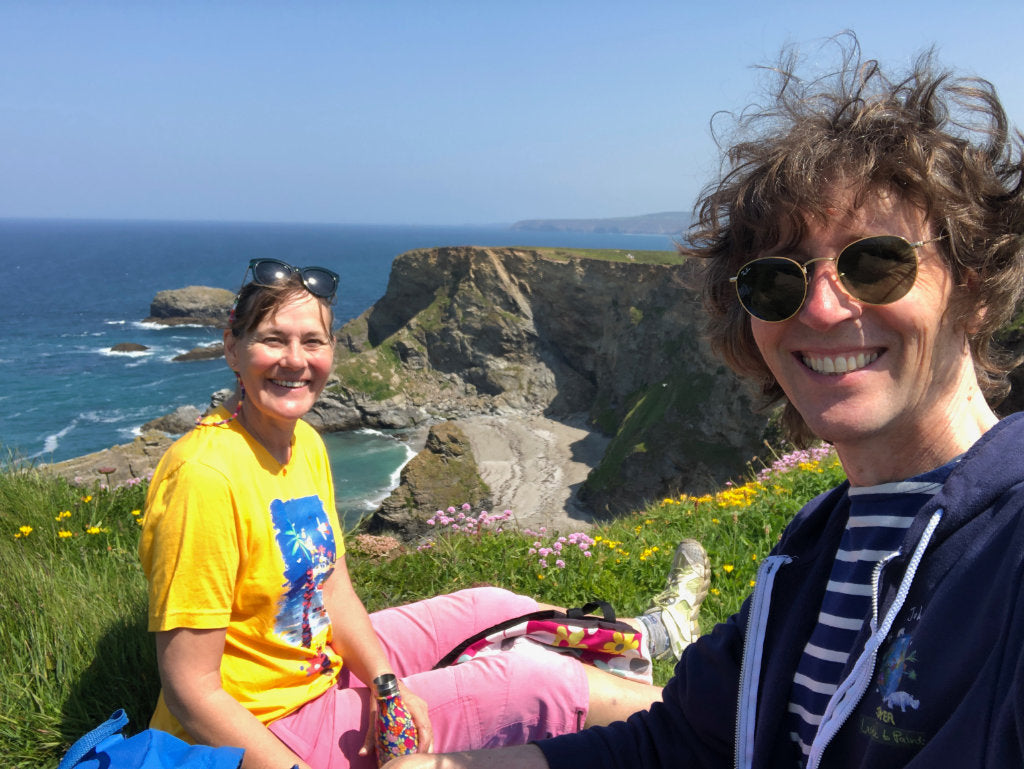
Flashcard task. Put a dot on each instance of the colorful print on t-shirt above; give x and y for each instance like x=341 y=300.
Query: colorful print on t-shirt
x=306 y=541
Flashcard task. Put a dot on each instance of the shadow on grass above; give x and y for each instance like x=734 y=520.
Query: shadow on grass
x=123 y=674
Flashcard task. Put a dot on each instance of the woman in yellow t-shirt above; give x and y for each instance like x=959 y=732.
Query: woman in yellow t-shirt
x=262 y=643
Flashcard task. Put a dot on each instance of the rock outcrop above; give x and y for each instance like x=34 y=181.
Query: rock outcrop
x=463 y=331
x=193 y=305
x=178 y=422
x=128 y=347
x=444 y=473
x=206 y=352
x=116 y=465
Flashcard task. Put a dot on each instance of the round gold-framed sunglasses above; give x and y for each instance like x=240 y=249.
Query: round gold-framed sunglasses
x=875 y=270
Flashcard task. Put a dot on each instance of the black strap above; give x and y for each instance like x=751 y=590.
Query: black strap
x=576 y=615
x=587 y=609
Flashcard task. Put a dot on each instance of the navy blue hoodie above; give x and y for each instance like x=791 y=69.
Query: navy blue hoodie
x=936 y=679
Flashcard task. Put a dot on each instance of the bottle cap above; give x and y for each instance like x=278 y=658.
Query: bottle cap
x=386 y=685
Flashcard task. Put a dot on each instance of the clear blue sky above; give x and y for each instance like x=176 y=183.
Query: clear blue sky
x=419 y=112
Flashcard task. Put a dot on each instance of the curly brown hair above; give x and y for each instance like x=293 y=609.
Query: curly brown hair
x=939 y=142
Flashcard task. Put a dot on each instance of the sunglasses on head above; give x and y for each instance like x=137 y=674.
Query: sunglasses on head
x=318 y=281
x=875 y=270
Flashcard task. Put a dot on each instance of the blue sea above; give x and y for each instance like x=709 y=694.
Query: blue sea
x=73 y=289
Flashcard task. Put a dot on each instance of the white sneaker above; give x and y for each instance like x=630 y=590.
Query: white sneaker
x=678 y=604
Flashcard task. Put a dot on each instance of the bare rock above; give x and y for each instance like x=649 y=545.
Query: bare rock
x=178 y=422
x=445 y=473
x=128 y=347
x=332 y=414
x=207 y=352
x=193 y=305
x=114 y=466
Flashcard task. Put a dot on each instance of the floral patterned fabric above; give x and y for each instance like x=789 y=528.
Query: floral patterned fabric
x=602 y=642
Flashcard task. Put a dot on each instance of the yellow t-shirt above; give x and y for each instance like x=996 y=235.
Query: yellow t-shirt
x=233 y=539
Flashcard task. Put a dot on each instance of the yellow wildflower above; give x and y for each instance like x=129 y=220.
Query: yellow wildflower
x=25 y=530
x=64 y=534
x=727 y=568
x=136 y=512
x=87 y=498
x=93 y=530
x=715 y=591
x=648 y=552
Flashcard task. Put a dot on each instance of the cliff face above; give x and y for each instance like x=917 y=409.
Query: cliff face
x=472 y=330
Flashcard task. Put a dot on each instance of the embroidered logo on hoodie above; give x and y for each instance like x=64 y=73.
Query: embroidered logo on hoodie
x=894 y=686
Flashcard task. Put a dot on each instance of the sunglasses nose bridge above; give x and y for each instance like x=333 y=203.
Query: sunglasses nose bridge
x=810 y=272
x=827 y=292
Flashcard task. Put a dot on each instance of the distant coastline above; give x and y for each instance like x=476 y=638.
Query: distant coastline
x=671 y=223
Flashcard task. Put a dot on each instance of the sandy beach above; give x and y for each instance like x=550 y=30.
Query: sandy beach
x=535 y=466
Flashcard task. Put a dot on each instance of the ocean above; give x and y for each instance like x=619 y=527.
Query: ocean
x=74 y=289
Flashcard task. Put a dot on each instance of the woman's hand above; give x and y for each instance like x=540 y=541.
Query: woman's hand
x=420 y=716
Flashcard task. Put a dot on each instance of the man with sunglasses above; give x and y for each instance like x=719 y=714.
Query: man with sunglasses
x=858 y=254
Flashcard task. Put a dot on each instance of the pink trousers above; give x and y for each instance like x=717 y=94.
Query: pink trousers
x=504 y=699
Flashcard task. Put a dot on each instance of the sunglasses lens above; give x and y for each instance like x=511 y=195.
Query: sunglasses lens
x=267 y=272
x=878 y=270
x=771 y=288
x=320 y=282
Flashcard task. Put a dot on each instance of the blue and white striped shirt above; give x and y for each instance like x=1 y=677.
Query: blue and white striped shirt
x=879 y=518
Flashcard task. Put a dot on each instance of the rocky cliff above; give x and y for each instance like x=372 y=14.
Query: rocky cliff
x=464 y=331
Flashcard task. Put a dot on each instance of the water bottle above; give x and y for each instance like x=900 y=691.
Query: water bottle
x=396 y=732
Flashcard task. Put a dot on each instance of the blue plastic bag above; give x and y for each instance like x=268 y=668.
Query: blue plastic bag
x=105 y=747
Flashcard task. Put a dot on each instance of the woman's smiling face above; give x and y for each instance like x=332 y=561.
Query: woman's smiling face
x=881 y=378
x=284 y=362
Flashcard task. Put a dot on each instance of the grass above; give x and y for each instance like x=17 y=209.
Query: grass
x=372 y=374
x=73 y=637
x=610 y=255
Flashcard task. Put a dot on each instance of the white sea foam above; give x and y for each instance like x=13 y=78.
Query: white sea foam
x=396 y=476
x=151 y=326
x=51 y=442
x=125 y=353
x=107 y=418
